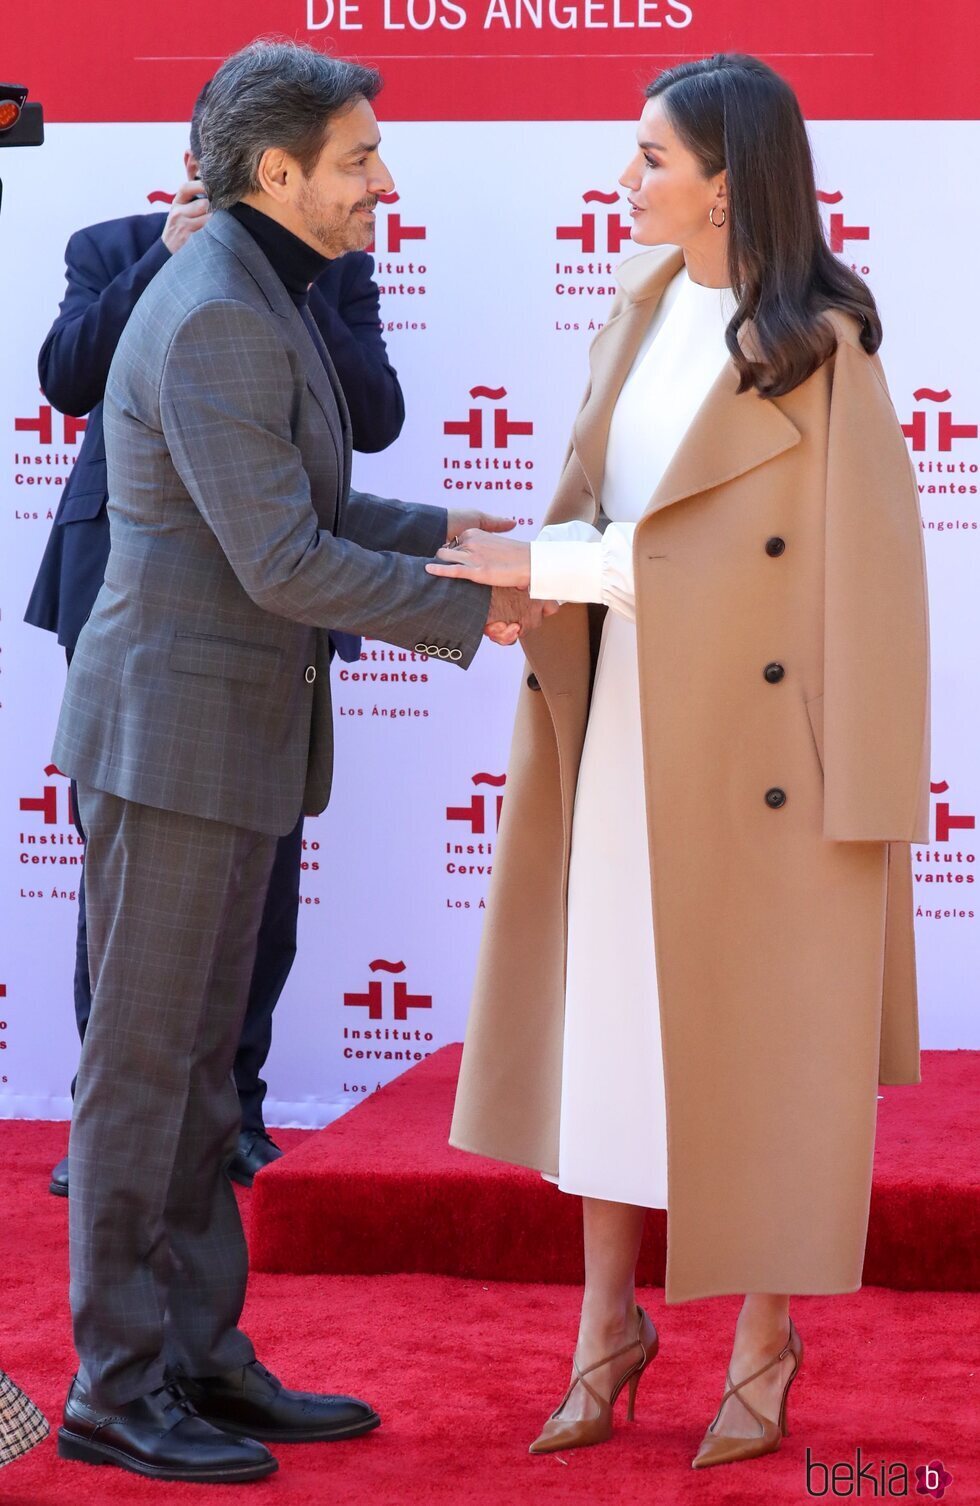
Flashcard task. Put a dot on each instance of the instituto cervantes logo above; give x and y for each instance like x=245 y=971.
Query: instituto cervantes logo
x=599 y=235
x=44 y=426
x=840 y=233
x=469 y=849
x=948 y=861
x=49 y=843
x=499 y=433
x=400 y=267
x=482 y=813
x=597 y=232
x=374 y=999
x=946 y=431
x=392 y=233
x=387 y=998
x=46 y=464
x=942 y=448
x=488 y=427
x=50 y=801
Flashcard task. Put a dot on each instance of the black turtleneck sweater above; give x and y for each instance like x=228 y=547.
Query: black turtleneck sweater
x=294 y=262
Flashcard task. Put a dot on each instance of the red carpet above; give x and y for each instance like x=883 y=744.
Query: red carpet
x=380 y=1191
x=463 y=1373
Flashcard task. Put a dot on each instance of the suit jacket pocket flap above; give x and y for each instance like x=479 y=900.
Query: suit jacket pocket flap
x=814 y=710
x=80 y=506
x=224 y=658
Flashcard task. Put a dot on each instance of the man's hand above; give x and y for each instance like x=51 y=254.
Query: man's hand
x=188 y=213
x=487 y=559
x=465 y=518
x=512 y=613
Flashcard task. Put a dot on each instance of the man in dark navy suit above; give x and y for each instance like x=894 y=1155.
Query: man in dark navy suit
x=108 y=267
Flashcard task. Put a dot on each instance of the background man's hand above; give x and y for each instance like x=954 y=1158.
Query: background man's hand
x=465 y=518
x=188 y=213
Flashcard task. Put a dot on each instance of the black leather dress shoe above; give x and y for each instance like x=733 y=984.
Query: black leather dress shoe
x=255 y=1150
x=159 y=1435
x=59 y=1179
x=252 y=1403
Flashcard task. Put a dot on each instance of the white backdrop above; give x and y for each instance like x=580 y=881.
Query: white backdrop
x=475 y=295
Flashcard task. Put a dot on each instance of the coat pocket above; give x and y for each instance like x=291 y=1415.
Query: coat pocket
x=814 y=710
x=224 y=658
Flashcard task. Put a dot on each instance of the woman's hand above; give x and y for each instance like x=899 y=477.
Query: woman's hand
x=487 y=559
x=462 y=518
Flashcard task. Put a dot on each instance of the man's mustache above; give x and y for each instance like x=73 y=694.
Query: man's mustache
x=369 y=203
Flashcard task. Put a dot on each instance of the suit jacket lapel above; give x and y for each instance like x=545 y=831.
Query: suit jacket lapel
x=730 y=433
x=320 y=373
x=337 y=410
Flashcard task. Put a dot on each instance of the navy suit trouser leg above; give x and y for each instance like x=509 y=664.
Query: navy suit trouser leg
x=273 y=959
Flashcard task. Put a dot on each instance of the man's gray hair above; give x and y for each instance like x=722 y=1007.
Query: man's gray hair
x=272 y=94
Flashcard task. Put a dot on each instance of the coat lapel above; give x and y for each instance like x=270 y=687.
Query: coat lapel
x=729 y=434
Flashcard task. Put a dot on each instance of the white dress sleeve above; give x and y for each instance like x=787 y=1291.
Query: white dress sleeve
x=575 y=562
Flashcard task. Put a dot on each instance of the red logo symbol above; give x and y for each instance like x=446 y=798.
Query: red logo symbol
x=476 y=812
x=373 y=999
x=159 y=197
x=841 y=233
x=395 y=231
x=945 y=822
x=503 y=426
x=947 y=430
x=585 y=232
x=43 y=426
x=47 y=802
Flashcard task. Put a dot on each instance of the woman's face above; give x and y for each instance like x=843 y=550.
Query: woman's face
x=669 y=197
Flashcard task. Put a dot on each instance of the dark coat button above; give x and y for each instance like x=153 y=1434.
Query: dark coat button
x=532 y=682
x=774 y=673
x=775 y=546
x=775 y=798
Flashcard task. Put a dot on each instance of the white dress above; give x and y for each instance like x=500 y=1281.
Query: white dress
x=613 y=1127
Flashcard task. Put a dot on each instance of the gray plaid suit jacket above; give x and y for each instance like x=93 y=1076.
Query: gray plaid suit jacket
x=200 y=682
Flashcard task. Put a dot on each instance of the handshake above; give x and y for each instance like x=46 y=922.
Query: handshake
x=474 y=551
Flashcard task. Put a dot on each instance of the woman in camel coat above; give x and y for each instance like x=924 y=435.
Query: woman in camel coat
x=775 y=572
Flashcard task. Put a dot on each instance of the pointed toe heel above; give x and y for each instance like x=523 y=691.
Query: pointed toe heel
x=718 y=1448
x=583 y=1432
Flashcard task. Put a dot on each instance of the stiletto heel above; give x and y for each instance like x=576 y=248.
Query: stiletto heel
x=717 y=1448
x=557 y=1434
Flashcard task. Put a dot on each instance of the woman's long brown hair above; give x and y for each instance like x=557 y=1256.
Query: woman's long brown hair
x=736 y=113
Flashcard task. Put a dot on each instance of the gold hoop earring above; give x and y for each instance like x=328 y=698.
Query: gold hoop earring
x=711 y=216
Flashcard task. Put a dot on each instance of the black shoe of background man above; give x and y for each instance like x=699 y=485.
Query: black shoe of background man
x=59 y=1179
x=252 y=1403
x=159 y=1435
x=255 y=1150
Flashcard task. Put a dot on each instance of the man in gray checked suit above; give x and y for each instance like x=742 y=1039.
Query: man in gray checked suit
x=197 y=723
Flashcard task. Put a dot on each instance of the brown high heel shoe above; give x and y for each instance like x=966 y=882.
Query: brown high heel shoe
x=717 y=1448
x=557 y=1434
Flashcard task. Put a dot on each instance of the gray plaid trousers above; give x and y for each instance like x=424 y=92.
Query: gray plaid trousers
x=158 y=1256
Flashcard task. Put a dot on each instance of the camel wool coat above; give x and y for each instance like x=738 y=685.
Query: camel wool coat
x=779 y=813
